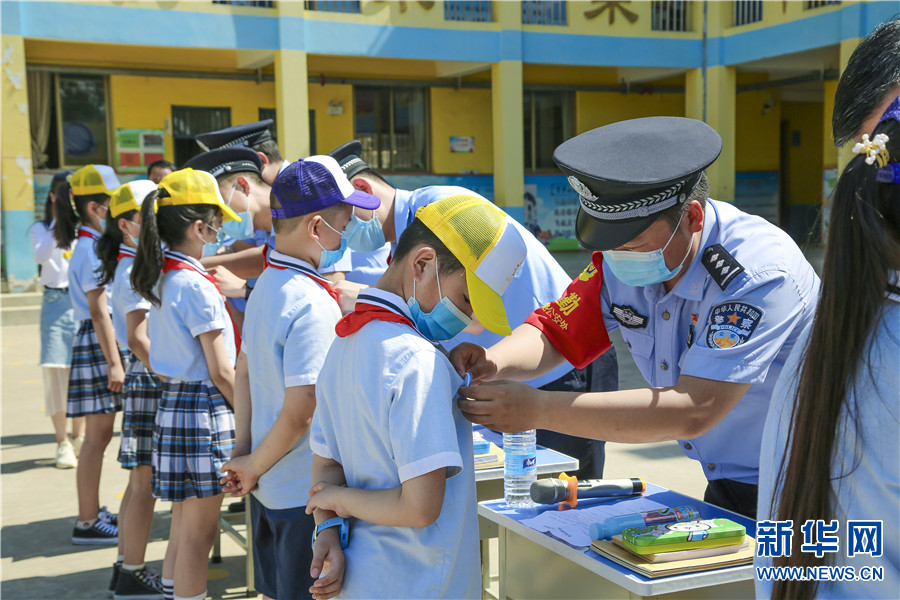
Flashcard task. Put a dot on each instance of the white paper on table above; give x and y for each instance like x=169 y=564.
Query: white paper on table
x=573 y=526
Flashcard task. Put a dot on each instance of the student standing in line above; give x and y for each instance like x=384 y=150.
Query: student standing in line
x=192 y=346
x=386 y=426
x=97 y=376
x=57 y=325
x=116 y=249
x=288 y=329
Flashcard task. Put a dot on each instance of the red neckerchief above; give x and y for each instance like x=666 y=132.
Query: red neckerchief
x=125 y=252
x=85 y=233
x=173 y=264
x=365 y=312
x=282 y=265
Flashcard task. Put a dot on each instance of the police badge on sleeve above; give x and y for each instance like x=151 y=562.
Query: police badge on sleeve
x=732 y=323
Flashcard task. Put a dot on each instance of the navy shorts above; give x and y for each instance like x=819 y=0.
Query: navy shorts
x=282 y=552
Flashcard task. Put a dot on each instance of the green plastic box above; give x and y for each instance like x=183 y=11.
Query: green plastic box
x=687 y=535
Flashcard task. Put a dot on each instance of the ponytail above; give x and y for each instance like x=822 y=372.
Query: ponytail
x=862 y=255
x=69 y=215
x=108 y=248
x=166 y=224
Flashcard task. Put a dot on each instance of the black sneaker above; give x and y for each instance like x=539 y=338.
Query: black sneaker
x=108 y=516
x=100 y=533
x=117 y=566
x=138 y=585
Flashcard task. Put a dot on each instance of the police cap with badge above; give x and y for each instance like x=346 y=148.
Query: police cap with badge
x=627 y=173
x=224 y=161
x=349 y=156
x=248 y=134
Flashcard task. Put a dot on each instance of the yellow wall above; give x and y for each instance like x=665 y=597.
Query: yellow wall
x=467 y=113
x=331 y=130
x=805 y=170
x=146 y=102
x=595 y=109
x=758 y=135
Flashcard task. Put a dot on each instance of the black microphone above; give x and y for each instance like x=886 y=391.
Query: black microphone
x=551 y=491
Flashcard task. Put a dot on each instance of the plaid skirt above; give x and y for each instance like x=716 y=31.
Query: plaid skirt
x=193 y=438
x=142 y=392
x=88 y=394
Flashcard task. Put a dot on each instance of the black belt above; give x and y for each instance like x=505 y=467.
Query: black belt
x=65 y=289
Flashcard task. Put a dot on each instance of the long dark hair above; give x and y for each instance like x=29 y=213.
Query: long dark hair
x=68 y=217
x=168 y=224
x=59 y=188
x=108 y=248
x=862 y=255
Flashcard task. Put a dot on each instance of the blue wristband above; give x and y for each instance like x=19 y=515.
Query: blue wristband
x=334 y=522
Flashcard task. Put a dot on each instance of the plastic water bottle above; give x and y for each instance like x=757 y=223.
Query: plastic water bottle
x=519 y=467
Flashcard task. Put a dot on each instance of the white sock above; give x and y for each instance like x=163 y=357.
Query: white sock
x=120 y=558
x=133 y=567
x=86 y=524
x=200 y=596
x=168 y=586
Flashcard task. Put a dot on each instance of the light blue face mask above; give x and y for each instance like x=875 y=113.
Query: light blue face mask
x=102 y=225
x=328 y=257
x=239 y=230
x=135 y=240
x=210 y=249
x=639 y=269
x=444 y=321
x=364 y=236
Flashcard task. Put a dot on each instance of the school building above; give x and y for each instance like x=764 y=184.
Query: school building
x=474 y=93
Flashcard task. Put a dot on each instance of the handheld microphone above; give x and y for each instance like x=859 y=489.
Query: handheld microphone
x=568 y=489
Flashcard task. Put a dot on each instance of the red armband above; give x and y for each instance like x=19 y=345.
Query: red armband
x=574 y=323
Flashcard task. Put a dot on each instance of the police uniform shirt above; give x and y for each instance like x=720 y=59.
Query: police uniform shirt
x=741 y=334
x=385 y=412
x=288 y=328
x=124 y=299
x=866 y=465
x=365 y=268
x=190 y=305
x=538 y=281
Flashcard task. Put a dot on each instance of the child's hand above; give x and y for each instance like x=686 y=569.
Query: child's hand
x=240 y=477
x=116 y=375
x=327 y=565
x=327 y=496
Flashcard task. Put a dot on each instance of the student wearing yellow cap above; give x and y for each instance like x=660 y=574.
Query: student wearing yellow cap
x=142 y=390
x=192 y=346
x=391 y=432
x=97 y=374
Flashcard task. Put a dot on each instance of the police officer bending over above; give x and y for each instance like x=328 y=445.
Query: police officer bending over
x=709 y=301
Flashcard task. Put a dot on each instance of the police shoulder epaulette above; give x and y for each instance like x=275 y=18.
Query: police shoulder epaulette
x=721 y=265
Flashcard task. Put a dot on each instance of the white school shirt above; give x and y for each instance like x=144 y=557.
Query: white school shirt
x=84 y=272
x=769 y=302
x=288 y=328
x=189 y=305
x=124 y=299
x=54 y=264
x=538 y=281
x=866 y=468
x=386 y=412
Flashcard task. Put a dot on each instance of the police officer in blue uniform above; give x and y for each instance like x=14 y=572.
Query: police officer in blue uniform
x=257 y=136
x=708 y=299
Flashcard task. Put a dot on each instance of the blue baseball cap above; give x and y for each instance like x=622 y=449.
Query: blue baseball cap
x=313 y=184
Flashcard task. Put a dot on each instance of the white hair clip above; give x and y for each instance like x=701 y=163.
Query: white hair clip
x=875 y=149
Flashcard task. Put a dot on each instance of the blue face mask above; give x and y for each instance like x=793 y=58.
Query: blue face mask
x=239 y=230
x=364 y=236
x=210 y=249
x=102 y=225
x=135 y=240
x=328 y=257
x=639 y=269
x=443 y=322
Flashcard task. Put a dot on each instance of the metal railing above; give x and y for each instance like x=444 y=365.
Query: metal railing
x=544 y=12
x=747 y=11
x=808 y=4
x=343 y=6
x=468 y=10
x=670 y=15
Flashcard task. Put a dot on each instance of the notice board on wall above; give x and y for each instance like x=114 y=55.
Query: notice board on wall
x=138 y=148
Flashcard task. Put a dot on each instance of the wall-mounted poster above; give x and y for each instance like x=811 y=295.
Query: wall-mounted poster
x=462 y=145
x=137 y=148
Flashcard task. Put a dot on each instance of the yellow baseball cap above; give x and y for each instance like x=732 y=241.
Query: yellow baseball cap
x=129 y=196
x=187 y=186
x=487 y=243
x=93 y=179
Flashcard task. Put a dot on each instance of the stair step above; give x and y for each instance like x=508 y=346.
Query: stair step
x=21 y=299
x=20 y=315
